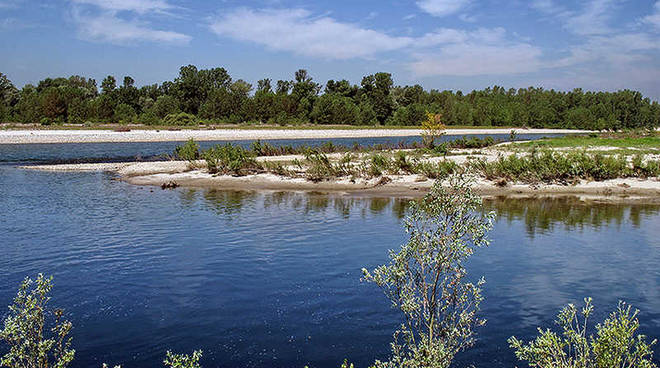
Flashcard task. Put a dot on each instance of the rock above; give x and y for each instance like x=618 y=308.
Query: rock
x=169 y=185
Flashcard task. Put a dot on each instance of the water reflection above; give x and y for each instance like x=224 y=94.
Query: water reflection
x=231 y=202
x=542 y=216
x=539 y=216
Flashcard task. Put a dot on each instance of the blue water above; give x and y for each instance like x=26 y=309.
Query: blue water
x=150 y=150
x=272 y=279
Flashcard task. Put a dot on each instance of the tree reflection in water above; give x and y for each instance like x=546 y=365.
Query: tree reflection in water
x=540 y=215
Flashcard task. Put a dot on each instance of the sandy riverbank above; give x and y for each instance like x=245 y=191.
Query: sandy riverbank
x=98 y=136
x=159 y=173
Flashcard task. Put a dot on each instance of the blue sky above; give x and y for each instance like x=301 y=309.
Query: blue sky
x=443 y=44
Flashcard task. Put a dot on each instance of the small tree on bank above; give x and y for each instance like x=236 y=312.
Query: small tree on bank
x=432 y=128
x=615 y=345
x=426 y=278
x=25 y=330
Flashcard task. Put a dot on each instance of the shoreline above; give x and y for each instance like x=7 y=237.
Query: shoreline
x=160 y=173
x=108 y=136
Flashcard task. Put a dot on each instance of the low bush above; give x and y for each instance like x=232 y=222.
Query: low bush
x=616 y=343
x=319 y=167
x=439 y=170
x=230 y=159
x=553 y=167
x=180 y=119
x=189 y=151
x=378 y=164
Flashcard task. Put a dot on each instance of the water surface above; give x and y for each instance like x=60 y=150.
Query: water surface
x=272 y=279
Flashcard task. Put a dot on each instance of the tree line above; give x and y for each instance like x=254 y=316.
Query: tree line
x=212 y=96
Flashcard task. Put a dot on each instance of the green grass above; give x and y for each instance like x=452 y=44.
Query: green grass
x=623 y=141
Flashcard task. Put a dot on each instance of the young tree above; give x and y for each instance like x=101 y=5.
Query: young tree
x=25 y=328
x=615 y=345
x=426 y=278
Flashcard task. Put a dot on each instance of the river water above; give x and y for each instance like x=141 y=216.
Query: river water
x=272 y=279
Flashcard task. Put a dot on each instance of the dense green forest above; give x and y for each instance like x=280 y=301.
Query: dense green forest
x=211 y=96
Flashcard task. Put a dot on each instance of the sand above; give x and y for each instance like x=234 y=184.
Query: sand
x=97 y=136
x=181 y=173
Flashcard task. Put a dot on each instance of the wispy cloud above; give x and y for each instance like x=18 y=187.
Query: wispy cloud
x=481 y=52
x=138 y=6
x=594 y=19
x=123 y=22
x=445 y=51
x=9 y=4
x=441 y=8
x=654 y=18
x=297 y=31
x=109 y=28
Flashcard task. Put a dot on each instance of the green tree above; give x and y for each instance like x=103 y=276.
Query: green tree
x=335 y=109
x=377 y=88
x=426 y=278
x=615 y=345
x=125 y=114
x=53 y=105
x=26 y=334
x=166 y=105
x=108 y=85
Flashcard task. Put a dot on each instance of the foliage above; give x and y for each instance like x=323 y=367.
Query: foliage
x=432 y=128
x=25 y=330
x=426 y=278
x=229 y=159
x=319 y=167
x=181 y=118
x=183 y=360
x=438 y=170
x=189 y=151
x=555 y=167
x=616 y=343
x=212 y=94
x=124 y=113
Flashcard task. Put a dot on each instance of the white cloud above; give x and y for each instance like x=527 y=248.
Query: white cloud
x=616 y=49
x=108 y=27
x=444 y=51
x=547 y=7
x=9 y=4
x=441 y=8
x=654 y=18
x=138 y=6
x=107 y=21
x=481 y=52
x=295 y=30
x=593 y=20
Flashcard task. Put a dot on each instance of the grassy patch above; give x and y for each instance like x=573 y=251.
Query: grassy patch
x=555 y=167
x=623 y=141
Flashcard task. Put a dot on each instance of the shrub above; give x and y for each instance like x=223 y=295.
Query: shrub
x=25 y=327
x=319 y=167
x=549 y=166
x=181 y=118
x=183 y=360
x=439 y=170
x=230 y=159
x=189 y=151
x=425 y=279
x=378 y=164
x=148 y=118
x=402 y=163
x=616 y=343
x=125 y=114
